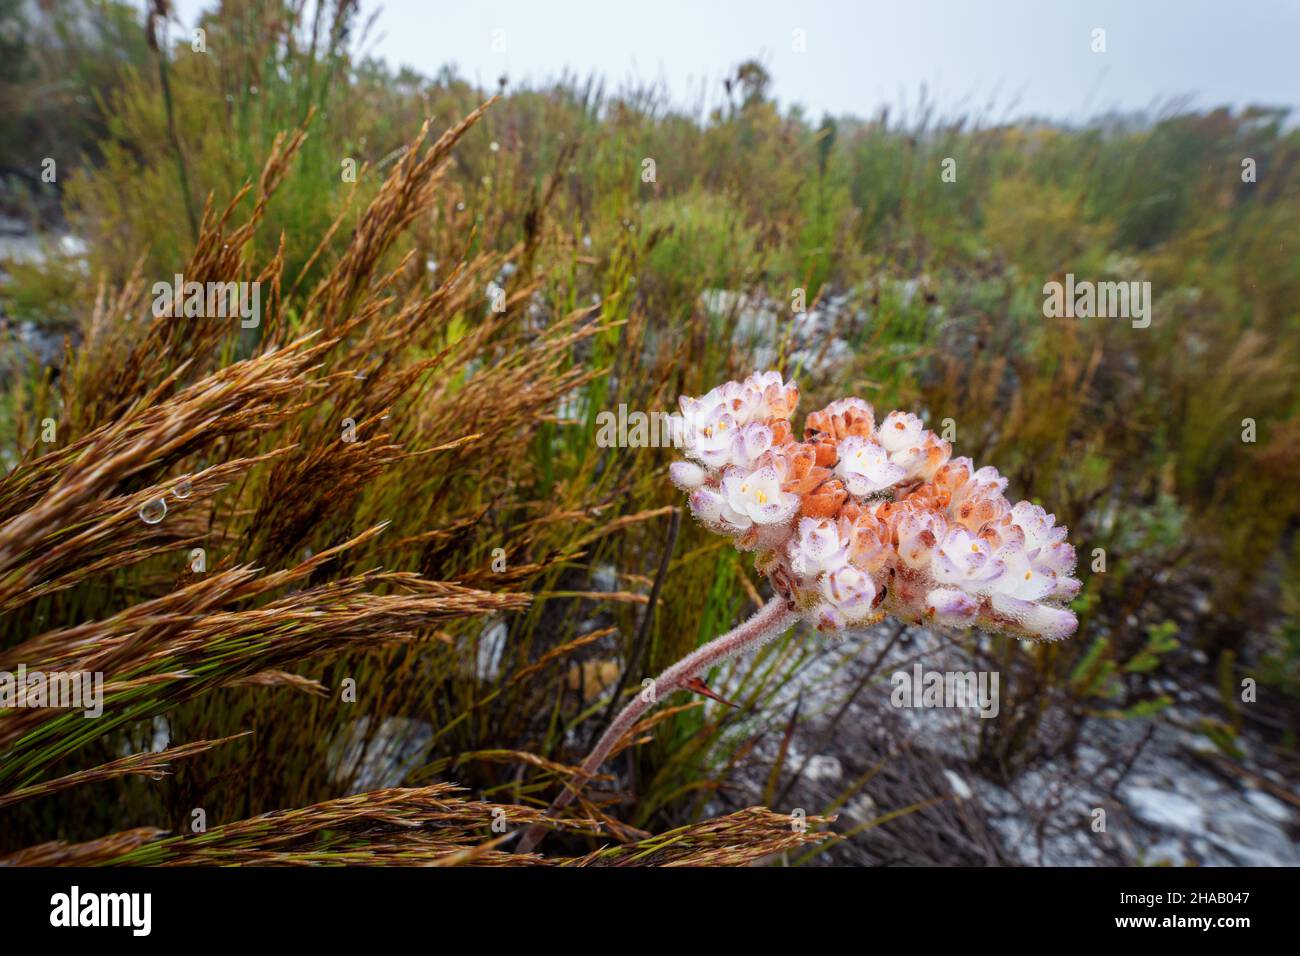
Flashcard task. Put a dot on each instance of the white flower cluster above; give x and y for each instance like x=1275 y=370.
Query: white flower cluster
x=857 y=521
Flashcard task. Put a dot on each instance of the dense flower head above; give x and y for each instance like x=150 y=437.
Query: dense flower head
x=860 y=520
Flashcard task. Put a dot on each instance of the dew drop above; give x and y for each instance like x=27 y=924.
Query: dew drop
x=184 y=488
x=151 y=512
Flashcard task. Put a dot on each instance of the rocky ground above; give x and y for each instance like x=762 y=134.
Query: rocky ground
x=1135 y=791
x=1168 y=794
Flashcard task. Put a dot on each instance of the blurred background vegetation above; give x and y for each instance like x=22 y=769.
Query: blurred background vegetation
x=922 y=294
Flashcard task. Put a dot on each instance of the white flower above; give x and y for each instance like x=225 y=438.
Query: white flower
x=864 y=466
x=757 y=496
x=919 y=533
x=768 y=395
x=687 y=475
x=710 y=506
x=818 y=548
x=1037 y=620
x=1045 y=546
x=842 y=405
x=748 y=445
x=1039 y=527
x=1067 y=588
x=951 y=607
x=708 y=436
x=953 y=475
x=698 y=409
x=1055 y=558
x=739 y=401
x=985 y=483
x=965 y=561
x=870 y=544
x=690 y=419
x=1021 y=580
x=923 y=459
x=900 y=431
x=847 y=598
x=979 y=500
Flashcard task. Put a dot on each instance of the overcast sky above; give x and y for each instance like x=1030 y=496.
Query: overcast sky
x=996 y=58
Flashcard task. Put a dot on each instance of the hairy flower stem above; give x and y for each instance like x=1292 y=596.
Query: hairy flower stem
x=768 y=622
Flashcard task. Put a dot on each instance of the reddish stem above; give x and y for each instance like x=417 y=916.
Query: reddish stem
x=769 y=621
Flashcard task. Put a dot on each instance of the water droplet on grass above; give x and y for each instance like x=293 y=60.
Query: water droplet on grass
x=184 y=488
x=151 y=512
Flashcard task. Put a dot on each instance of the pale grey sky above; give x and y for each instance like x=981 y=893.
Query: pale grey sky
x=996 y=58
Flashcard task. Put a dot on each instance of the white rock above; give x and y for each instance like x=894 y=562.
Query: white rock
x=605 y=578
x=491 y=647
x=1158 y=808
x=1270 y=806
x=960 y=788
x=862 y=809
x=1165 y=851
x=823 y=767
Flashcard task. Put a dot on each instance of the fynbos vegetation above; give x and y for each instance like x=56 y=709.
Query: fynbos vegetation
x=328 y=488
